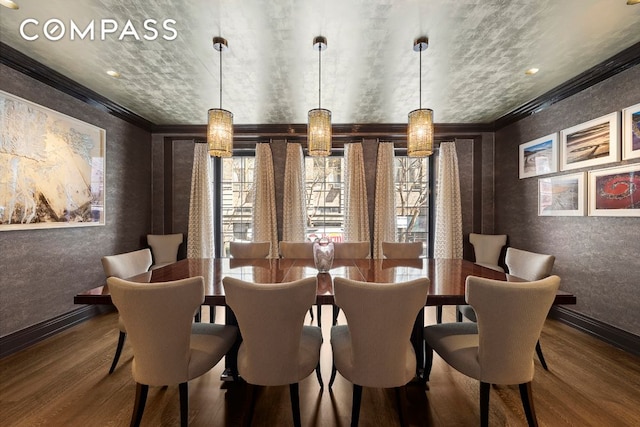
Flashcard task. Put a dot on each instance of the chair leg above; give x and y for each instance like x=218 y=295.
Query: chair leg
x=311 y=313
x=198 y=315
x=526 y=394
x=249 y=405
x=400 y=399
x=540 y=356
x=355 y=408
x=138 y=406
x=336 y=312
x=319 y=375
x=428 y=361
x=295 y=404
x=116 y=356
x=212 y=314
x=319 y=315
x=438 y=314
x=458 y=315
x=184 y=404
x=485 y=388
x=333 y=375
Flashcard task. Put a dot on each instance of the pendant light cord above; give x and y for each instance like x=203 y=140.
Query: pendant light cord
x=220 y=76
x=420 y=77
x=319 y=75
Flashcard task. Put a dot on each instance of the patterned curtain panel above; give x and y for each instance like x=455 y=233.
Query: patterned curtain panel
x=265 y=227
x=448 y=233
x=356 y=215
x=200 y=238
x=384 y=217
x=294 y=210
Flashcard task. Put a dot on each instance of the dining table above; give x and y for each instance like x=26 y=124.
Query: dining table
x=447 y=279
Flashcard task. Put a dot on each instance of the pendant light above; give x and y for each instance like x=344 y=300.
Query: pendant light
x=220 y=122
x=319 y=127
x=420 y=129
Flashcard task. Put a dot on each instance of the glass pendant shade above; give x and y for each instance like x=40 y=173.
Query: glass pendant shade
x=220 y=132
x=420 y=133
x=319 y=132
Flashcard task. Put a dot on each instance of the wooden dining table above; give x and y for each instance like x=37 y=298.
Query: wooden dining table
x=447 y=281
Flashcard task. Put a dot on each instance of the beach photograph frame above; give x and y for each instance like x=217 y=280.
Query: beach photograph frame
x=592 y=143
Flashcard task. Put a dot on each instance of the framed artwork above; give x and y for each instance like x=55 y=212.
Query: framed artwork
x=615 y=191
x=539 y=157
x=51 y=168
x=592 y=143
x=562 y=195
x=631 y=132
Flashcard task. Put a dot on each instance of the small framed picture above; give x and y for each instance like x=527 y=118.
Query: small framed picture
x=562 y=195
x=592 y=143
x=631 y=132
x=615 y=191
x=539 y=157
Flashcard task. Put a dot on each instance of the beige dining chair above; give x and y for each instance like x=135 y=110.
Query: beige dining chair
x=487 y=249
x=498 y=349
x=168 y=348
x=374 y=348
x=301 y=250
x=277 y=348
x=124 y=266
x=164 y=248
x=248 y=250
x=402 y=250
x=351 y=250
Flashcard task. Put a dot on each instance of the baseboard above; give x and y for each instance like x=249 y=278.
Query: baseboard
x=24 y=338
x=617 y=337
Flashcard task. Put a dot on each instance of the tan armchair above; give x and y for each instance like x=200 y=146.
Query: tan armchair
x=394 y=250
x=374 y=349
x=124 y=266
x=277 y=348
x=168 y=348
x=487 y=249
x=498 y=349
x=164 y=248
x=248 y=250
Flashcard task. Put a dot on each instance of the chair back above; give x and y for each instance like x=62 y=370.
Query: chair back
x=529 y=265
x=302 y=250
x=393 y=250
x=510 y=318
x=127 y=264
x=246 y=250
x=487 y=247
x=270 y=317
x=158 y=318
x=380 y=317
x=165 y=247
x=351 y=250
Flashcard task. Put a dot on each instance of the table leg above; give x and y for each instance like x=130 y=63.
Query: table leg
x=417 y=339
x=231 y=359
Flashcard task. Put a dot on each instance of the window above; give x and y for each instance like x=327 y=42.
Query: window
x=325 y=198
x=412 y=200
x=237 y=200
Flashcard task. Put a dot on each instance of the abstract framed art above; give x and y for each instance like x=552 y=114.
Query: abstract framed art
x=615 y=191
x=631 y=132
x=539 y=157
x=592 y=143
x=562 y=195
x=51 y=168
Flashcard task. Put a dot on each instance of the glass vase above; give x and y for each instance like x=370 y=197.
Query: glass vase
x=323 y=254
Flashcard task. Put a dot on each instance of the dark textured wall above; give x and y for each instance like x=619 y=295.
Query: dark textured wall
x=598 y=258
x=41 y=270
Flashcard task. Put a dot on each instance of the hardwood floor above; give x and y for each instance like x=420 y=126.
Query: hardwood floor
x=63 y=381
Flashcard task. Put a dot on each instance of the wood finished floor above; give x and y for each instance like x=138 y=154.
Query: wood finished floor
x=63 y=381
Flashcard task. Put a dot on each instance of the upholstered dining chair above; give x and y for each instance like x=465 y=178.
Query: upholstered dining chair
x=124 y=266
x=525 y=265
x=277 y=348
x=352 y=250
x=498 y=349
x=374 y=349
x=487 y=249
x=164 y=248
x=402 y=250
x=168 y=348
x=247 y=250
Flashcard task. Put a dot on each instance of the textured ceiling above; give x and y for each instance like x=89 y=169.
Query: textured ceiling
x=473 y=70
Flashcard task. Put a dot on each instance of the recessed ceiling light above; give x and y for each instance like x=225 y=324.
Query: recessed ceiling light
x=114 y=74
x=531 y=71
x=630 y=2
x=10 y=4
